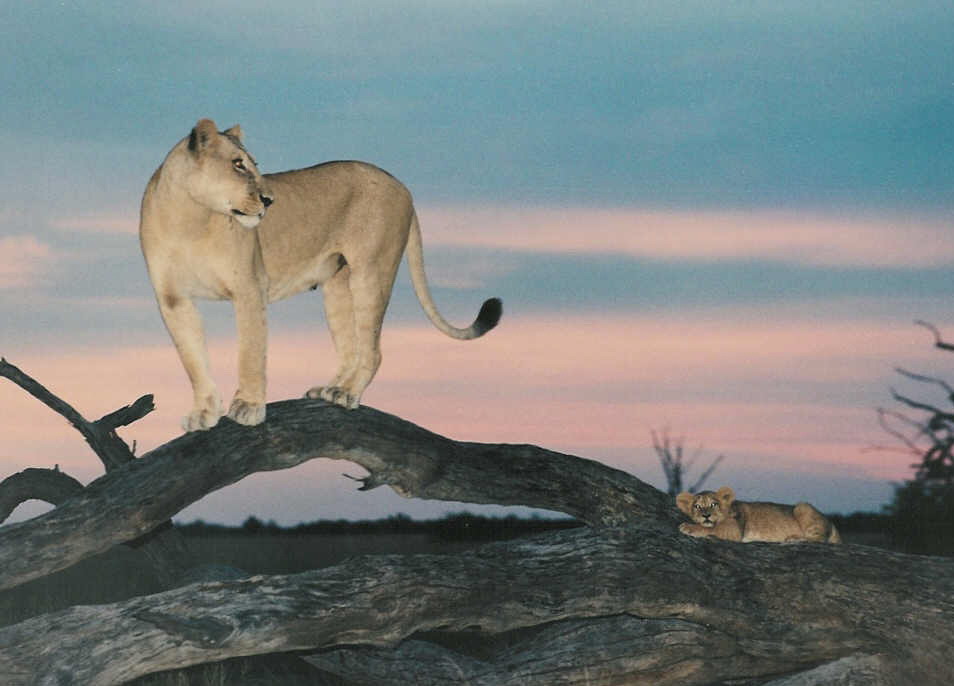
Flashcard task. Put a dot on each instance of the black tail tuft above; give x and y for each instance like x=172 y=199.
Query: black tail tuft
x=488 y=316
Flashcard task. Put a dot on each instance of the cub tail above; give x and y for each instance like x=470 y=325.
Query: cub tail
x=489 y=313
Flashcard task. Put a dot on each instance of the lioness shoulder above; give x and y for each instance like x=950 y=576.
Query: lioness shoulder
x=719 y=515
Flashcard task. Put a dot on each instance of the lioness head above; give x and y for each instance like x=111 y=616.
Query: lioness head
x=222 y=175
x=707 y=508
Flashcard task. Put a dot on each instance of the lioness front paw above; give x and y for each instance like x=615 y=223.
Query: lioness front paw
x=247 y=413
x=336 y=395
x=201 y=419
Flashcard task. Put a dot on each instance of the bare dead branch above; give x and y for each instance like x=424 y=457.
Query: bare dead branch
x=706 y=474
x=100 y=435
x=910 y=443
x=128 y=502
x=917 y=405
x=49 y=485
x=938 y=342
x=926 y=379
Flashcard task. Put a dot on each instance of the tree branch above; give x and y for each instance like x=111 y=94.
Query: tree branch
x=49 y=485
x=737 y=609
x=128 y=502
x=100 y=435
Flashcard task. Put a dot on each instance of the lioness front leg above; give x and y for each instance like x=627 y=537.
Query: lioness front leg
x=248 y=405
x=184 y=323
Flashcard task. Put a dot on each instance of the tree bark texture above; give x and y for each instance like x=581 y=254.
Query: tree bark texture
x=128 y=502
x=626 y=605
x=626 y=600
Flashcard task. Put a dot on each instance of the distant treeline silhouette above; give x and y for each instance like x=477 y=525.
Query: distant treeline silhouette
x=461 y=526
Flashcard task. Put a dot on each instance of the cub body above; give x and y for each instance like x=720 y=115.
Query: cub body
x=720 y=515
x=213 y=227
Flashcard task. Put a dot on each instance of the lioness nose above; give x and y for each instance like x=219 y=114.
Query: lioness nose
x=266 y=200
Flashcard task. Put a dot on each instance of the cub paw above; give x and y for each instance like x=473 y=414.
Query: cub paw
x=336 y=395
x=244 y=412
x=689 y=530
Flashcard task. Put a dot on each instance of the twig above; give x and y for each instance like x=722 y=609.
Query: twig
x=914 y=404
x=938 y=343
x=100 y=435
x=925 y=379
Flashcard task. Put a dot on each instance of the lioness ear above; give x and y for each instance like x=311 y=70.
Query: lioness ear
x=235 y=131
x=725 y=495
x=684 y=502
x=203 y=133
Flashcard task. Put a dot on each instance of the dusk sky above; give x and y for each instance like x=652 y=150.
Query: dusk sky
x=720 y=218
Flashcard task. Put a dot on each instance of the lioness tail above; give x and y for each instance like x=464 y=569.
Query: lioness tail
x=489 y=313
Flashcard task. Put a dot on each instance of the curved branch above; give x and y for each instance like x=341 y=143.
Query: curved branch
x=49 y=485
x=127 y=502
x=938 y=342
x=802 y=605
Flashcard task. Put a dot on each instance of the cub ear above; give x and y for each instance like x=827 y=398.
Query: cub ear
x=684 y=502
x=235 y=131
x=725 y=495
x=203 y=134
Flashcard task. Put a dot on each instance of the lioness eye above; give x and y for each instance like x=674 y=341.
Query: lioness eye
x=238 y=164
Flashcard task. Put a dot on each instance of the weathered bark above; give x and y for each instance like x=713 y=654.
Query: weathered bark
x=628 y=600
x=691 y=611
x=128 y=502
x=49 y=485
x=162 y=545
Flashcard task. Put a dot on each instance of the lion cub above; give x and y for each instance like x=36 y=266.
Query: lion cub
x=720 y=515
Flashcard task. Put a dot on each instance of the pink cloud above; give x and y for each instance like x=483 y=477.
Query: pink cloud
x=23 y=261
x=119 y=222
x=795 y=393
x=811 y=238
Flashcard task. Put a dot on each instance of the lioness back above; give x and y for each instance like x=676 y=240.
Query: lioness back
x=331 y=207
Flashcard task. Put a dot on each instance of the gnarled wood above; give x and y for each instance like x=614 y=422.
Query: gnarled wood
x=695 y=612
x=627 y=600
x=49 y=485
x=129 y=501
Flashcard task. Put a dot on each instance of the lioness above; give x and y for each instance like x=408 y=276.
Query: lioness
x=211 y=226
x=720 y=515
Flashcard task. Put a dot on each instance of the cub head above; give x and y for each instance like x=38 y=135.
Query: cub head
x=222 y=176
x=707 y=508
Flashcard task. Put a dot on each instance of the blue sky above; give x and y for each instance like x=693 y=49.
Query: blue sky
x=626 y=169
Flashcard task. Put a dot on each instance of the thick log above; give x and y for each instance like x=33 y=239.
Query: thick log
x=691 y=611
x=130 y=500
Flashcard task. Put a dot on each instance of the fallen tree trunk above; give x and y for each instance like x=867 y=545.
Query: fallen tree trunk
x=627 y=600
x=696 y=611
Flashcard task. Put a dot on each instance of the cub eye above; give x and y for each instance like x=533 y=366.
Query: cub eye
x=239 y=164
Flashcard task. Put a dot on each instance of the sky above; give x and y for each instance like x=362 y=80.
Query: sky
x=719 y=219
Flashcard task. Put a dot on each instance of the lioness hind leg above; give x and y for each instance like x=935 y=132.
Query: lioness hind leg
x=339 y=313
x=812 y=522
x=369 y=297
